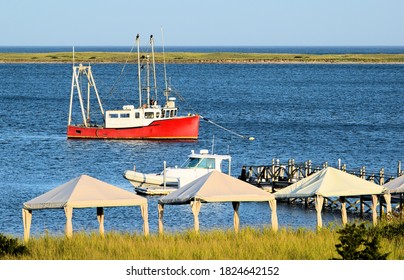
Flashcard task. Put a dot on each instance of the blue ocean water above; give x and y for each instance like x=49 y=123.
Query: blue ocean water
x=325 y=112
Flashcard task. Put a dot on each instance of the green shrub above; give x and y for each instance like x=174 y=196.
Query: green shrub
x=391 y=231
x=10 y=246
x=359 y=243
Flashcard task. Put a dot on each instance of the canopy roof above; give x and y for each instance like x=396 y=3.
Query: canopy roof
x=396 y=185
x=85 y=191
x=216 y=187
x=330 y=182
x=81 y=192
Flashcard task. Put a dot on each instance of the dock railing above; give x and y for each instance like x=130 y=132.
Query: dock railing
x=278 y=175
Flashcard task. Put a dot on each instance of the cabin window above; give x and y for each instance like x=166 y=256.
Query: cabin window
x=167 y=114
x=157 y=115
x=207 y=163
x=113 y=116
x=149 y=115
x=125 y=115
x=191 y=162
x=200 y=163
x=137 y=115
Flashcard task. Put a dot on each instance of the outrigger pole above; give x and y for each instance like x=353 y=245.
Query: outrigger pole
x=77 y=72
x=71 y=95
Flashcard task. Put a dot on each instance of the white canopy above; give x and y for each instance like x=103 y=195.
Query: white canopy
x=396 y=185
x=82 y=192
x=217 y=187
x=331 y=182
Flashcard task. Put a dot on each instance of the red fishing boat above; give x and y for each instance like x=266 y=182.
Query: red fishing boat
x=149 y=120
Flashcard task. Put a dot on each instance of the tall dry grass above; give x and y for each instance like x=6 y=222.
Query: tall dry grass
x=248 y=244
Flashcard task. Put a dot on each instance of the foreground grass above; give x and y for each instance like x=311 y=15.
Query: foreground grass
x=188 y=57
x=248 y=244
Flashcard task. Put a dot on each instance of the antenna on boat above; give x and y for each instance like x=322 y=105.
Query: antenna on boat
x=138 y=70
x=166 y=91
x=213 y=143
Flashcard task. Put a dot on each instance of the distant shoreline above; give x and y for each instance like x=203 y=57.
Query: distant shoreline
x=203 y=58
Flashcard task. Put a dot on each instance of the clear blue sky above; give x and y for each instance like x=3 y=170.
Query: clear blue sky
x=203 y=23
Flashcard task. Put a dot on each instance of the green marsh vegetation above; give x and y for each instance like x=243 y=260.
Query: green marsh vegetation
x=248 y=244
x=190 y=57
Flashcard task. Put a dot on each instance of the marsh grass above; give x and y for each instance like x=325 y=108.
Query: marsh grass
x=217 y=244
x=248 y=244
x=190 y=57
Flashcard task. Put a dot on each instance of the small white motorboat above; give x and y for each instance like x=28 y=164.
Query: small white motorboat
x=172 y=178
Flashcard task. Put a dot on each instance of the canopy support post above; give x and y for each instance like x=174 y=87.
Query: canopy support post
x=160 y=209
x=236 y=218
x=100 y=218
x=196 y=207
x=319 y=206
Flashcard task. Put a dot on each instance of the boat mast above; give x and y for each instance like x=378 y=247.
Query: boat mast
x=154 y=68
x=148 y=80
x=138 y=70
x=88 y=96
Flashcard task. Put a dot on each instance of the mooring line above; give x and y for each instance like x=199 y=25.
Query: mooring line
x=228 y=130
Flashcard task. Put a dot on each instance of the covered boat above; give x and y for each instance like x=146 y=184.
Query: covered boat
x=172 y=178
x=149 y=120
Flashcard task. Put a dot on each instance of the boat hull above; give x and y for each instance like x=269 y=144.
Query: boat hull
x=186 y=128
x=151 y=184
x=141 y=180
x=155 y=190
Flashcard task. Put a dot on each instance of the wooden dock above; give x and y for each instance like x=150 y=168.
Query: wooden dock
x=279 y=175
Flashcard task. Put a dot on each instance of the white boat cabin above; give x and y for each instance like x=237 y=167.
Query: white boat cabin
x=204 y=160
x=131 y=117
x=199 y=164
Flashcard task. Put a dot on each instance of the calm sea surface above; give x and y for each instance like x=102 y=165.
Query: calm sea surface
x=318 y=112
